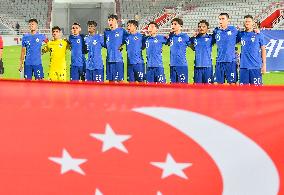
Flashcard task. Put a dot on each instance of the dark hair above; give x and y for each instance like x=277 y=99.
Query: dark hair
x=248 y=16
x=236 y=48
x=178 y=20
x=33 y=20
x=92 y=22
x=204 y=22
x=134 y=22
x=154 y=23
x=56 y=28
x=76 y=24
x=112 y=16
x=225 y=14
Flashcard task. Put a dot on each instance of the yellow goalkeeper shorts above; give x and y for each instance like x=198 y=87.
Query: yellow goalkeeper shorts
x=58 y=75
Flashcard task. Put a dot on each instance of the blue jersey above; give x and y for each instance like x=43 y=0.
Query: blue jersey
x=77 y=50
x=94 y=45
x=33 y=44
x=154 y=47
x=226 y=41
x=203 y=50
x=114 y=39
x=178 y=45
x=251 y=50
x=134 y=48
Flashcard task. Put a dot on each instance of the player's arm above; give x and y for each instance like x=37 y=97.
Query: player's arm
x=263 y=53
x=84 y=46
x=263 y=56
x=44 y=49
x=23 y=53
x=191 y=43
x=1 y=48
x=1 y=53
x=144 y=38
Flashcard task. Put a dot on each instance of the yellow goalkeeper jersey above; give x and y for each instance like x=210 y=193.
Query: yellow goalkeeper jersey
x=57 y=49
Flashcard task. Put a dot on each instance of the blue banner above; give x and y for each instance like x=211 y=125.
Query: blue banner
x=274 y=49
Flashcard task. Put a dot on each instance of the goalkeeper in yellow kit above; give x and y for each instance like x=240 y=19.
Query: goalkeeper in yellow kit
x=57 y=48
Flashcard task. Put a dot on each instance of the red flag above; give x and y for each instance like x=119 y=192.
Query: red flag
x=127 y=139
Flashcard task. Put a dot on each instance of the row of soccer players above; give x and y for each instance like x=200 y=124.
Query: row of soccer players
x=252 y=62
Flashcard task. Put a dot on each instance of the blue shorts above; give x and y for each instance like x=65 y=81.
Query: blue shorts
x=33 y=70
x=203 y=75
x=226 y=70
x=179 y=74
x=135 y=72
x=76 y=73
x=115 y=71
x=96 y=75
x=155 y=75
x=250 y=76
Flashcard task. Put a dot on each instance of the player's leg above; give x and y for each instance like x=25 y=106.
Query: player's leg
x=231 y=72
x=197 y=75
x=81 y=73
x=244 y=76
x=74 y=73
x=108 y=71
x=119 y=76
x=139 y=72
x=38 y=72
x=150 y=75
x=99 y=75
x=159 y=75
x=255 y=76
x=208 y=75
x=88 y=75
x=182 y=74
x=130 y=73
x=111 y=71
x=52 y=75
x=220 y=73
x=173 y=74
x=28 y=72
x=62 y=75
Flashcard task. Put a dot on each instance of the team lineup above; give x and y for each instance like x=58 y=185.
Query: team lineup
x=248 y=71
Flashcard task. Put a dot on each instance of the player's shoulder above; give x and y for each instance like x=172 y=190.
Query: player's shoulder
x=185 y=35
x=232 y=28
x=161 y=36
x=216 y=30
x=107 y=30
x=26 y=35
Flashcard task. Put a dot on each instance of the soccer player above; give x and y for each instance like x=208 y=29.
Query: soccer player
x=226 y=39
x=154 y=44
x=57 y=48
x=134 y=44
x=31 y=51
x=202 y=45
x=94 y=64
x=1 y=53
x=253 y=54
x=78 y=51
x=178 y=44
x=114 y=38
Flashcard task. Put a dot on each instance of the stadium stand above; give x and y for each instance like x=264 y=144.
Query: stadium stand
x=209 y=10
x=192 y=11
x=13 y=11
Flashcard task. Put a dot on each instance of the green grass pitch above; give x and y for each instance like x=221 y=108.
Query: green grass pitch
x=11 y=56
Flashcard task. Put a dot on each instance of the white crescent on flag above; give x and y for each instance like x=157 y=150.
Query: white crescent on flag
x=245 y=167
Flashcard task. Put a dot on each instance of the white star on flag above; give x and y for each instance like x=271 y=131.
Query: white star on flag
x=111 y=140
x=159 y=193
x=98 y=192
x=171 y=167
x=68 y=163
